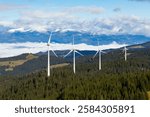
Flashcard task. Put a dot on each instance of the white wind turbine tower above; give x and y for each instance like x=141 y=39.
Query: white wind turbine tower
x=74 y=57
x=49 y=49
x=99 y=51
x=125 y=53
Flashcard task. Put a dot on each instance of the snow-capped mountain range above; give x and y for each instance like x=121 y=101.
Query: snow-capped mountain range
x=20 y=36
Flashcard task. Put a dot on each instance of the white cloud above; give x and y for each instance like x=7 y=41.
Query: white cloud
x=7 y=7
x=6 y=23
x=18 y=29
x=120 y=25
x=29 y=47
x=68 y=18
x=116 y=25
x=83 y=9
x=38 y=14
x=66 y=13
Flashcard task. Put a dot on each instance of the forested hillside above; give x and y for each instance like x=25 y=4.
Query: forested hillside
x=118 y=79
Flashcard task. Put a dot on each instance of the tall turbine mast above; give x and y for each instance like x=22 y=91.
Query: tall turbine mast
x=125 y=50
x=99 y=51
x=49 y=49
x=125 y=53
x=74 y=55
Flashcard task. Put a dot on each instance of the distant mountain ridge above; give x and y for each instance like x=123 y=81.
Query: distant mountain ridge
x=66 y=37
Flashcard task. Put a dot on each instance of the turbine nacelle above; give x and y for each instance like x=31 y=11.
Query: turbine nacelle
x=73 y=50
x=99 y=51
x=125 y=49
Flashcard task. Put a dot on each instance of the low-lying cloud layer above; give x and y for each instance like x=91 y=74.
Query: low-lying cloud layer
x=14 y=49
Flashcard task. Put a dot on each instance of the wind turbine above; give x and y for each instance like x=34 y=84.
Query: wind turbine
x=49 y=49
x=125 y=53
x=125 y=50
x=74 y=56
x=99 y=51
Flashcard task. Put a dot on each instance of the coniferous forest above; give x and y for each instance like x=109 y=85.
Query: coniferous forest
x=118 y=79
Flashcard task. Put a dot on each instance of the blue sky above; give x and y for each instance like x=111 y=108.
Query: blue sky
x=127 y=7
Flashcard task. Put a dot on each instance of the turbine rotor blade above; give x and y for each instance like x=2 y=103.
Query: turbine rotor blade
x=50 y=38
x=68 y=53
x=95 y=54
x=125 y=48
x=73 y=40
x=54 y=53
x=103 y=52
x=79 y=53
x=98 y=42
